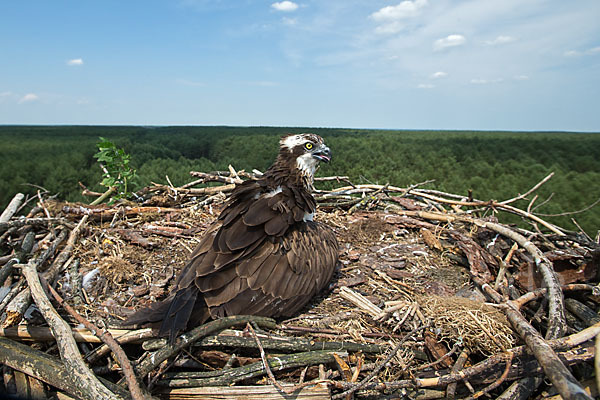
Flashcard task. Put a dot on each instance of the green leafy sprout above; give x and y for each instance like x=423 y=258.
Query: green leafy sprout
x=118 y=174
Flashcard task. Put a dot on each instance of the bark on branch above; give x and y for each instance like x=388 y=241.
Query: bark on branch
x=80 y=375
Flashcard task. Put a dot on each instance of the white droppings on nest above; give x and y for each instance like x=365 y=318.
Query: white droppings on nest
x=87 y=278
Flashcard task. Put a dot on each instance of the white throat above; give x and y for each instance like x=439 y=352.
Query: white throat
x=307 y=165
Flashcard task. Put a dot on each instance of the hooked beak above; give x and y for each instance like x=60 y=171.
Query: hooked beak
x=323 y=154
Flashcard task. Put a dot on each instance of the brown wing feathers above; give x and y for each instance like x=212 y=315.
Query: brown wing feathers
x=259 y=257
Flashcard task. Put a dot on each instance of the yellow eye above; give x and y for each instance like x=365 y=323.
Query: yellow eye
x=308 y=146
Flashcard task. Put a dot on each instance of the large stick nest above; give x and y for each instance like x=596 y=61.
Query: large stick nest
x=412 y=260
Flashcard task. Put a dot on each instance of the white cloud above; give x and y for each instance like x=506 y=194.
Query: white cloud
x=5 y=94
x=75 y=62
x=391 y=17
x=285 y=6
x=594 y=50
x=449 y=41
x=500 y=40
x=405 y=9
x=425 y=86
x=521 y=77
x=28 y=97
x=390 y=28
x=577 y=53
x=439 y=74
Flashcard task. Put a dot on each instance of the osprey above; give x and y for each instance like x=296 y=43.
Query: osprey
x=264 y=255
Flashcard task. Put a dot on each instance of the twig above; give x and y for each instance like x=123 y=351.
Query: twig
x=60 y=260
x=372 y=374
x=498 y=382
x=450 y=353
x=572 y=212
x=204 y=177
x=14 y=291
x=41 y=203
x=206 y=190
x=458 y=365
x=128 y=337
x=102 y=212
x=504 y=265
x=526 y=298
x=86 y=192
x=574 y=221
x=104 y=196
x=263 y=357
x=533 y=189
x=474 y=371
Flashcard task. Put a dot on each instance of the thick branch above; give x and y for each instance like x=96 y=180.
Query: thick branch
x=233 y=375
x=195 y=334
x=12 y=208
x=137 y=393
x=46 y=368
x=82 y=377
x=557 y=323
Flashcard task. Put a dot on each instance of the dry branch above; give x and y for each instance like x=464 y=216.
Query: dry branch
x=47 y=369
x=360 y=301
x=12 y=207
x=102 y=212
x=235 y=339
x=43 y=334
x=557 y=324
x=553 y=367
x=233 y=375
x=21 y=222
x=137 y=393
x=80 y=375
x=244 y=393
x=15 y=310
x=195 y=334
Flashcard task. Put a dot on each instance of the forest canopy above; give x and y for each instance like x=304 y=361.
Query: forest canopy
x=494 y=165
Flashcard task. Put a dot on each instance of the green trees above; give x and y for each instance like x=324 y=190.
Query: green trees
x=495 y=165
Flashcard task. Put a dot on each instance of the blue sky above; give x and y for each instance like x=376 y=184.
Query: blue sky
x=417 y=64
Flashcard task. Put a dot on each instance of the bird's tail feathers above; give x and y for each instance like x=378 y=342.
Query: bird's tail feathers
x=173 y=313
x=175 y=318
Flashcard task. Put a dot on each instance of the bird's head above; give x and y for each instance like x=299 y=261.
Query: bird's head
x=306 y=150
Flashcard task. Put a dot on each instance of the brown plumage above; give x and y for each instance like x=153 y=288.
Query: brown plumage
x=263 y=256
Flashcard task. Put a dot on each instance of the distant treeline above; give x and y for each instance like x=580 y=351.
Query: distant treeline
x=495 y=165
